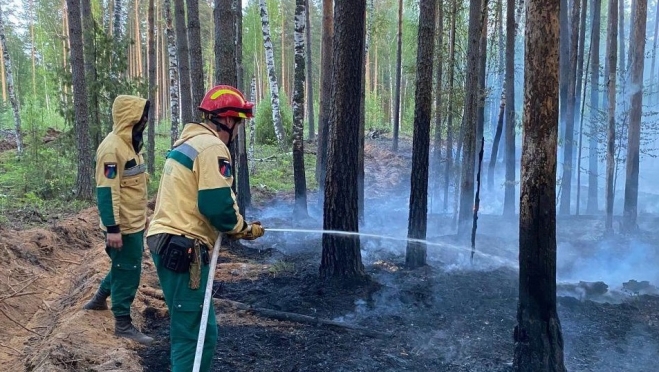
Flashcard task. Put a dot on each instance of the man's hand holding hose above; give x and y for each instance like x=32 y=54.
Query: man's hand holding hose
x=253 y=231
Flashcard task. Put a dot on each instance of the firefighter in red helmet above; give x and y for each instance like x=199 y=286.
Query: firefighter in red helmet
x=194 y=203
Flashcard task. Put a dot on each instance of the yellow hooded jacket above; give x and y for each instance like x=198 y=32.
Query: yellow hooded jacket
x=195 y=197
x=121 y=191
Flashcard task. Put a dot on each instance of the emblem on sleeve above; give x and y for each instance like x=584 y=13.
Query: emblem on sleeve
x=110 y=170
x=225 y=167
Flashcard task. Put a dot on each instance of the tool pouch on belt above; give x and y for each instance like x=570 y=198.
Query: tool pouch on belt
x=195 y=266
x=178 y=254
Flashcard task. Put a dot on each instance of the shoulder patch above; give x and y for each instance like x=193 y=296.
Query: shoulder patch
x=224 y=167
x=110 y=170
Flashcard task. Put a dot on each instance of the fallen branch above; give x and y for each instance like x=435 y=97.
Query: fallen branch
x=18 y=324
x=298 y=318
x=60 y=259
x=11 y=348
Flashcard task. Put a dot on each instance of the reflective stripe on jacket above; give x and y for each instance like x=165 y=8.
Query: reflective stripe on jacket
x=195 y=198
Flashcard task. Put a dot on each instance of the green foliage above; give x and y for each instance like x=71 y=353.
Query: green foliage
x=265 y=129
x=274 y=170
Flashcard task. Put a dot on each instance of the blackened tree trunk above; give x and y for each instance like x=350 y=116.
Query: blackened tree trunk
x=611 y=55
x=244 y=190
x=196 y=58
x=299 y=176
x=495 y=143
x=591 y=206
x=637 y=52
x=509 y=156
x=173 y=72
x=326 y=63
x=183 y=54
x=341 y=256
x=538 y=337
x=309 y=74
x=399 y=53
x=418 y=218
x=568 y=143
x=580 y=81
x=482 y=69
x=153 y=89
x=470 y=119
x=224 y=47
x=272 y=76
x=84 y=186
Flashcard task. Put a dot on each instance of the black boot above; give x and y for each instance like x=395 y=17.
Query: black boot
x=98 y=302
x=123 y=327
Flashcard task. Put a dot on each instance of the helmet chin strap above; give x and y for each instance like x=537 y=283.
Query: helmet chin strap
x=222 y=126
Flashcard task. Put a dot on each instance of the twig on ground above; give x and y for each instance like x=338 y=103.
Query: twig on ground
x=11 y=348
x=298 y=318
x=17 y=323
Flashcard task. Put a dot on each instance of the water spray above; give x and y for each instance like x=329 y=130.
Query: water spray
x=498 y=259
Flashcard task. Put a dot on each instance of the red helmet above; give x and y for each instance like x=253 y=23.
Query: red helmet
x=225 y=100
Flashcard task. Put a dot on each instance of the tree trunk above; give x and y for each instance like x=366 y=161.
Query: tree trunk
x=654 y=45
x=637 y=53
x=173 y=73
x=611 y=55
x=399 y=67
x=89 y=34
x=418 y=218
x=564 y=65
x=244 y=189
x=580 y=75
x=14 y=101
x=621 y=41
x=341 y=255
x=568 y=144
x=309 y=72
x=591 y=206
x=153 y=89
x=252 y=129
x=325 y=96
x=482 y=71
x=449 y=122
x=511 y=29
x=300 y=179
x=495 y=143
x=84 y=188
x=224 y=47
x=470 y=119
x=183 y=55
x=439 y=32
x=272 y=77
x=196 y=57
x=538 y=337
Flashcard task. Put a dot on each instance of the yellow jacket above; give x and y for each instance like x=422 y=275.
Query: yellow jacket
x=121 y=179
x=195 y=197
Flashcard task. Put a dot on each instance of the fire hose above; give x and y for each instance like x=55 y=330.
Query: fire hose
x=207 y=304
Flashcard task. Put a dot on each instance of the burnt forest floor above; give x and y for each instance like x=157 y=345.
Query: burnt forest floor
x=452 y=315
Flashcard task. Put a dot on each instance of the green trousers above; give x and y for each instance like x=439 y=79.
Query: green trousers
x=185 y=307
x=123 y=279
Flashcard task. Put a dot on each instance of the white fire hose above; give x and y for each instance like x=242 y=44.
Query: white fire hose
x=207 y=304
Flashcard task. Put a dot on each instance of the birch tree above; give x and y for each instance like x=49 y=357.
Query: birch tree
x=10 y=83
x=272 y=77
x=299 y=176
x=173 y=72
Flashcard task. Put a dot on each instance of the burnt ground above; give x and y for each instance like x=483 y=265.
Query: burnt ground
x=449 y=316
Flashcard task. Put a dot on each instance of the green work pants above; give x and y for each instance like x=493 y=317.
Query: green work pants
x=123 y=279
x=185 y=307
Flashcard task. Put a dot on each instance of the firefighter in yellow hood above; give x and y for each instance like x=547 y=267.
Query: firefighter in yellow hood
x=121 y=195
x=194 y=203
